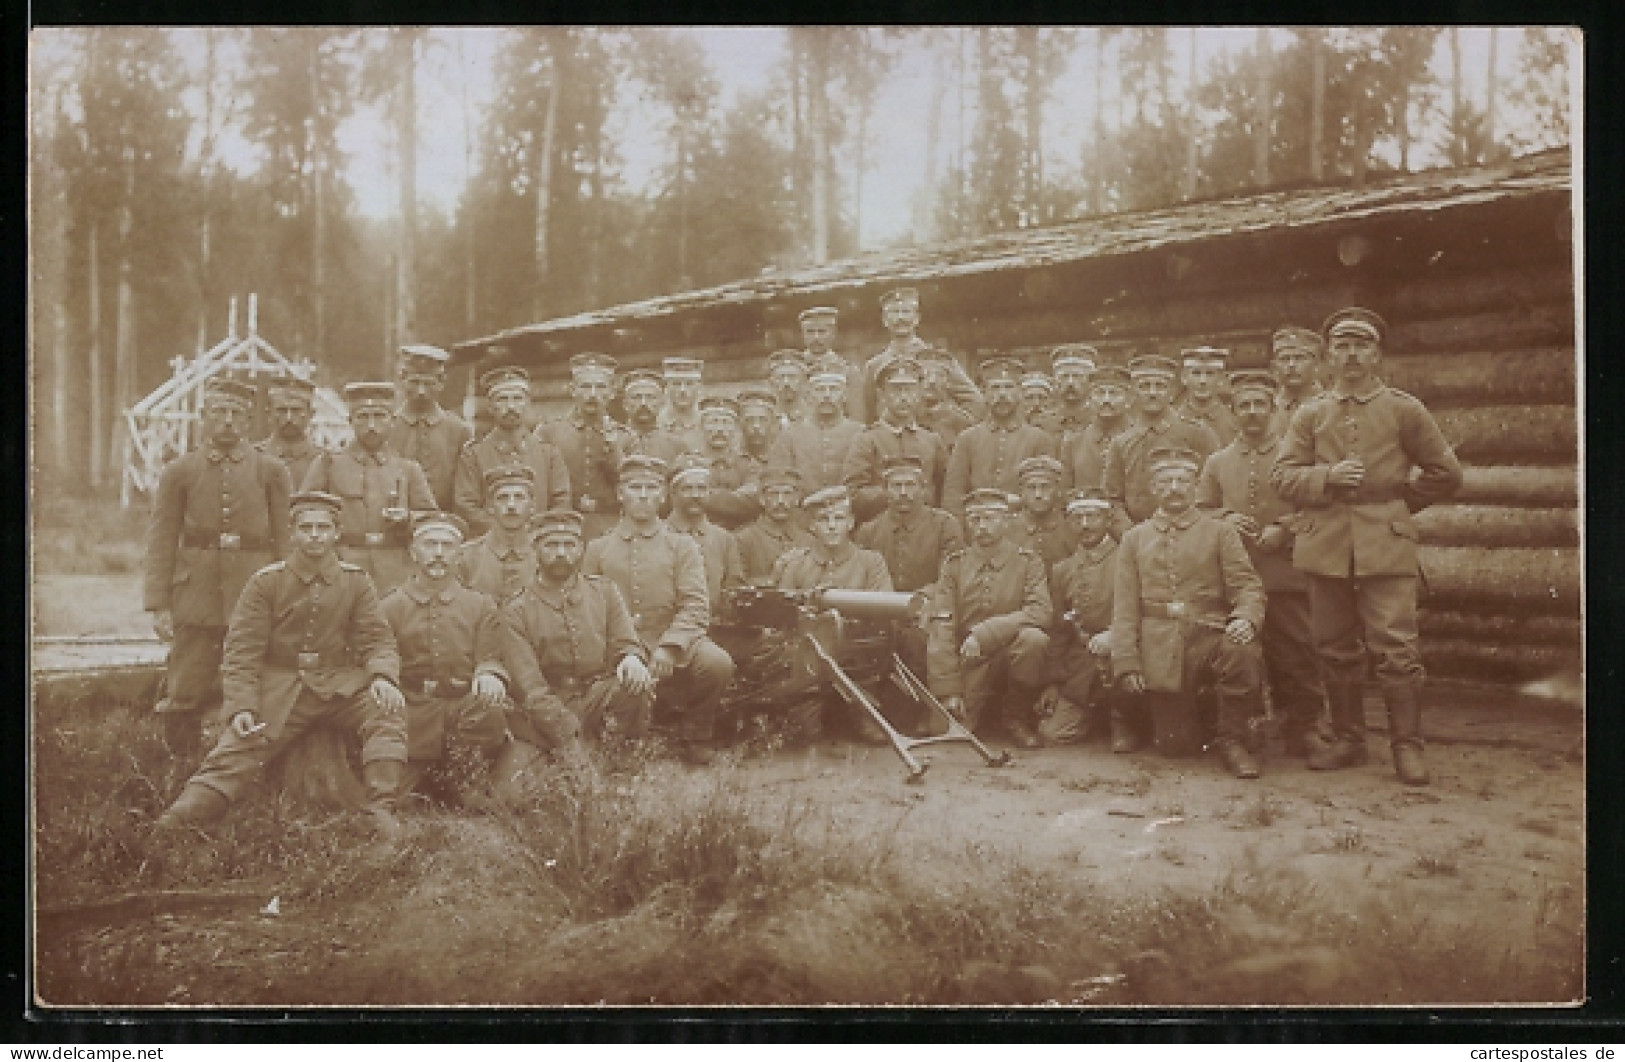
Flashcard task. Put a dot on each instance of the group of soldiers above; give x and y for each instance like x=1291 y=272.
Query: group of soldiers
x=1094 y=553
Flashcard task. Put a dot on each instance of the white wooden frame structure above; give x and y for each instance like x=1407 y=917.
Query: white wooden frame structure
x=159 y=428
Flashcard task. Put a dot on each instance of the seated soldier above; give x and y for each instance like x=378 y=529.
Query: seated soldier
x=450 y=641
x=1081 y=639
x=501 y=562
x=986 y=643
x=777 y=529
x=1187 y=607
x=572 y=648
x=307 y=646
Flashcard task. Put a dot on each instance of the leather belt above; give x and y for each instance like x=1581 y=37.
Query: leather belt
x=309 y=661
x=446 y=689
x=226 y=540
x=1180 y=610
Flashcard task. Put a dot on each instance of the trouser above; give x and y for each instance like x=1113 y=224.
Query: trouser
x=1291 y=663
x=437 y=725
x=237 y=761
x=990 y=683
x=1084 y=683
x=193 y=673
x=686 y=703
x=1236 y=673
x=1373 y=616
x=607 y=709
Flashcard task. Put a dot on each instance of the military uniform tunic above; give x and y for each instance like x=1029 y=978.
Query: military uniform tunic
x=987 y=456
x=1052 y=539
x=658 y=442
x=947 y=420
x=297 y=456
x=685 y=427
x=446 y=638
x=724 y=567
x=1071 y=419
x=1081 y=585
x=913 y=549
x=961 y=390
x=592 y=453
x=817 y=452
x=497 y=449
x=762 y=542
x=862 y=471
x=1127 y=476
x=1083 y=455
x=735 y=498
x=1216 y=415
x=1001 y=595
x=497 y=565
x=434 y=440
x=369 y=482
x=816 y=568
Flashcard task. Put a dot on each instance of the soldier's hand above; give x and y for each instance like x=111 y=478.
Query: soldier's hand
x=635 y=676
x=489 y=690
x=163 y=625
x=970 y=649
x=1239 y=631
x=1243 y=523
x=1348 y=472
x=243 y=724
x=1272 y=539
x=387 y=695
x=1101 y=643
x=663 y=663
x=1133 y=682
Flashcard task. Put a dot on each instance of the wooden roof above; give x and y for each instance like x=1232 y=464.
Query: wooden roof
x=1094 y=237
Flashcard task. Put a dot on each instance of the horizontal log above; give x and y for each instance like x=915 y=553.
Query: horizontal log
x=1492 y=434
x=1534 y=580
x=1548 y=324
x=1533 y=485
x=1539 y=376
x=1501 y=628
x=1474 y=292
x=1496 y=663
x=1495 y=525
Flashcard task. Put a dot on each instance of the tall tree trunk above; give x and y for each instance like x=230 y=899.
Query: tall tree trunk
x=1361 y=147
x=1262 y=116
x=1458 y=142
x=406 y=118
x=1192 y=128
x=1489 y=102
x=857 y=177
x=926 y=208
x=1033 y=106
x=798 y=142
x=1098 y=193
x=544 y=176
x=206 y=207
x=818 y=91
x=470 y=215
x=98 y=382
x=1317 y=105
x=124 y=339
x=595 y=243
x=318 y=242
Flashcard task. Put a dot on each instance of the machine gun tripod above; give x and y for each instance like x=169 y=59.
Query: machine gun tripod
x=823 y=622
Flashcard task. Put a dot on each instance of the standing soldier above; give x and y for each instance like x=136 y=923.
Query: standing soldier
x=1038 y=403
x=937 y=411
x=661 y=574
x=1127 y=476
x=690 y=498
x=1347 y=463
x=381 y=490
x=912 y=536
x=988 y=454
x=1083 y=454
x=681 y=416
x=508 y=443
x=900 y=313
x=1203 y=375
x=590 y=444
x=1296 y=355
x=642 y=397
x=1042 y=525
x=1235 y=486
x=1081 y=587
x=777 y=529
x=220 y=514
x=572 y=648
x=819 y=325
x=986 y=644
x=817 y=447
x=758 y=424
x=450 y=641
x=292 y=406
x=307 y=646
x=732 y=499
x=502 y=562
x=1187 y=607
x=896 y=434
x=422 y=431
x=787 y=380
x=1072 y=365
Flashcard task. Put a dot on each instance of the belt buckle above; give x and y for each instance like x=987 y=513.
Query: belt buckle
x=375 y=538
x=309 y=661
x=230 y=541
x=1176 y=609
x=429 y=686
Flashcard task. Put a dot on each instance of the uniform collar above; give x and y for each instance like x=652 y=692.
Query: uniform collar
x=770 y=529
x=580 y=421
x=497 y=541
x=1372 y=390
x=682 y=527
x=899 y=430
x=234 y=454
x=557 y=597
x=419 y=592
x=360 y=453
x=1268 y=446
x=906 y=525
x=327 y=569
x=995 y=558
x=429 y=419
x=282 y=448
x=1099 y=551
x=502 y=441
x=1184 y=520
x=839 y=556
x=627 y=530
x=1015 y=425
x=1161 y=424
x=1056 y=516
x=1314 y=391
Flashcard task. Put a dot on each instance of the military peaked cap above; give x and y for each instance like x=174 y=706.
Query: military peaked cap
x=1356 y=320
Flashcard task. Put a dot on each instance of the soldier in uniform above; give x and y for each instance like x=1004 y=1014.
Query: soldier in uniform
x=1083 y=454
x=380 y=488
x=642 y=397
x=1042 y=525
x=307 y=646
x=292 y=402
x=758 y=424
x=220 y=514
x=819 y=325
x=900 y=313
x=1295 y=356
x=422 y=431
x=777 y=529
x=986 y=642
x=937 y=411
x=502 y=562
x=910 y=534
x=896 y=434
x=661 y=574
x=988 y=454
x=589 y=442
x=573 y=650
x=690 y=498
x=732 y=499
x=450 y=641
x=1347 y=462
x=508 y=443
x=1187 y=607
x=817 y=447
x=1081 y=587
x=1127 y=476
x=681 y=416
x=1038 y=403
x=1203 y=376
x=787 y=383
x=1073 y=366
x=1235 y=486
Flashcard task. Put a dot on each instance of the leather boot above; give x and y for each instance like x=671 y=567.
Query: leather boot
x=1238 y=760
x=1347 y=745
x=385 y=781
x=1018 y=717
x=1125 y=734
x=198 y=805
x=1405 y=733
x=1234 y=729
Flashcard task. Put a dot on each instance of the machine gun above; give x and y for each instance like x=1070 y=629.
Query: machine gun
x=828 y=624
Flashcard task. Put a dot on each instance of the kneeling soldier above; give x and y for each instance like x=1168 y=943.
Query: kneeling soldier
x=450 y=641
x=307 y=645
x=1187 y=607
x=572 y=648
x=986 y=644
x=1081 y=587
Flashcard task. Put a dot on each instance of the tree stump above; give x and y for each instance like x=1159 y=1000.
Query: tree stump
x=321 y=770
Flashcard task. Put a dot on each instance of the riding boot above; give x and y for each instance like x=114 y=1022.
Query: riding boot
x=1347 y=746
x=1405 y=732
x=1126 y=726
x=1303 y=731
x=198 y=805
x=1233 y=727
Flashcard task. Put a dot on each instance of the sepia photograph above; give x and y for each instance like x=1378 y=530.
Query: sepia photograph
x=1057 y=517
